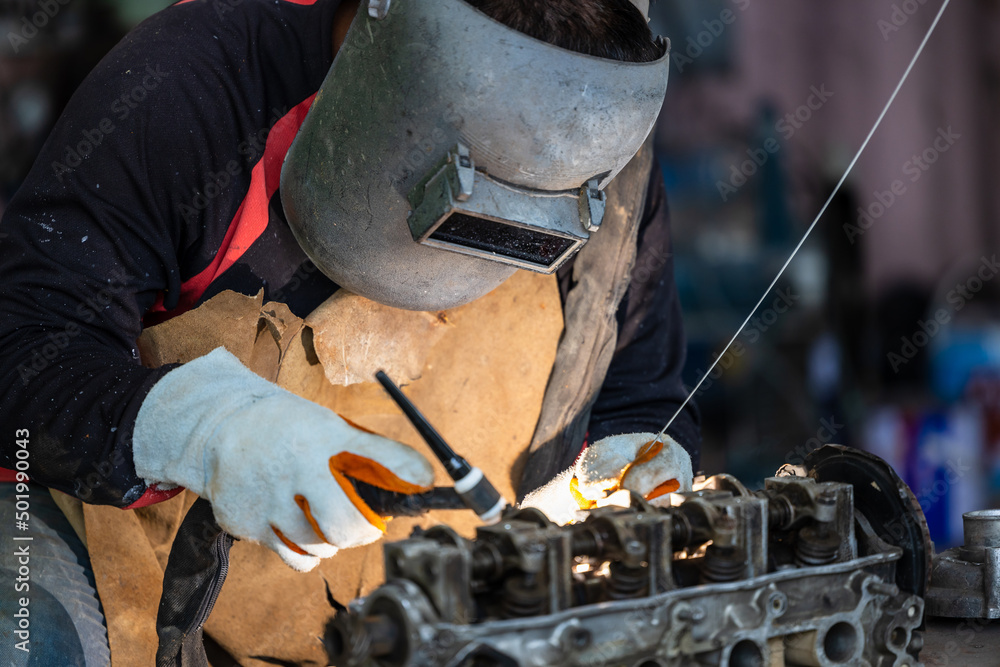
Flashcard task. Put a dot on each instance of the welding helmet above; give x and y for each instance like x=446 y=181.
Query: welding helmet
x=445 y=150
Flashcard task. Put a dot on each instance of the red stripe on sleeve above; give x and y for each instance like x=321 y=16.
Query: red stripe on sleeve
x=154 y=495
x=246 y=227
x=251 y=217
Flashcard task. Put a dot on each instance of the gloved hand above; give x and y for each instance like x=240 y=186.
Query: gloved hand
x=633 y=462
x=273 y=465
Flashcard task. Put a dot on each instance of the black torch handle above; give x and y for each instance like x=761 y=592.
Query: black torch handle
x=389 y=503
x=456 y=466
x=470 y=484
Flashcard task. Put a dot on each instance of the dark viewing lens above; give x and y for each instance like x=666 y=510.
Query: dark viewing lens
x=527 y=245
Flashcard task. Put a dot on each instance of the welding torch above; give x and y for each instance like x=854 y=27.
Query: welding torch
x=472 y=490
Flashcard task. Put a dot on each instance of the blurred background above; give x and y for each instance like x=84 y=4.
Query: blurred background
x=891 y=341
x=884 y=333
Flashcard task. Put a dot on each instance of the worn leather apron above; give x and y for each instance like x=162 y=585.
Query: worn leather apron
x=481 y=382
x=499 y=381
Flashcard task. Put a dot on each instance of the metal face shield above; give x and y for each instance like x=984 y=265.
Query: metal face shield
x=445 y=150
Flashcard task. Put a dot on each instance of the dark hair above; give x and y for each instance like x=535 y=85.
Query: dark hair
x=612 y=29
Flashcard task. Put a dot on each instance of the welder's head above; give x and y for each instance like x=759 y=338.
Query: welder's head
x=454 y=142
x=613 y=29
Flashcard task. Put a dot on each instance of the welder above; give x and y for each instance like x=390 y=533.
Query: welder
x=221 y=146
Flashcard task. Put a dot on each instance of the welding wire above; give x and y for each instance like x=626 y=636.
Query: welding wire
x=805 y=236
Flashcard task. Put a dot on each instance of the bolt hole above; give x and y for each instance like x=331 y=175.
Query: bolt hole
x=898 y=637
x=746 y=654
x=840 y=642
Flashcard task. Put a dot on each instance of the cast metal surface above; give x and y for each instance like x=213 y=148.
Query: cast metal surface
x=887 y=503
x=965 y=582
x=724 y=577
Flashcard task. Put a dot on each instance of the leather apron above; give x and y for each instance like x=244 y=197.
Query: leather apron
x=499 y=378
x=477 y=372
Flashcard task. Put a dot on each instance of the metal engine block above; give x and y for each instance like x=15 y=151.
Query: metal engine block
x=965 y=580
x=724 y=577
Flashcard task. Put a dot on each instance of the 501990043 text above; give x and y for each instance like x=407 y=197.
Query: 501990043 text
x=22 y=542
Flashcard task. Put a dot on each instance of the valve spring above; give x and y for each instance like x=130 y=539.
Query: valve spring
x=722 y=564
x=816 y=546
x=522 y=609
x=627 y=582
x=778 y=513
x=487 y=563
x=523 y=597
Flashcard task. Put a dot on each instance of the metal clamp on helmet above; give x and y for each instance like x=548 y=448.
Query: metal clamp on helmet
x=459 y=208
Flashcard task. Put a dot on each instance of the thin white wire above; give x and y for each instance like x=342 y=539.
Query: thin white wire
x=805 y=236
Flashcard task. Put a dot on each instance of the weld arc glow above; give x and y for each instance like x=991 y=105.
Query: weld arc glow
x=850 y=167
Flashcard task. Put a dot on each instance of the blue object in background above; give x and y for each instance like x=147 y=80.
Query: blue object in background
x=958 y=355
x=939 y=454
x=927 y=474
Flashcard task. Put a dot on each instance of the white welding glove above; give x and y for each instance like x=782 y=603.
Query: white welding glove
x=634 y=462
x=273 y=465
